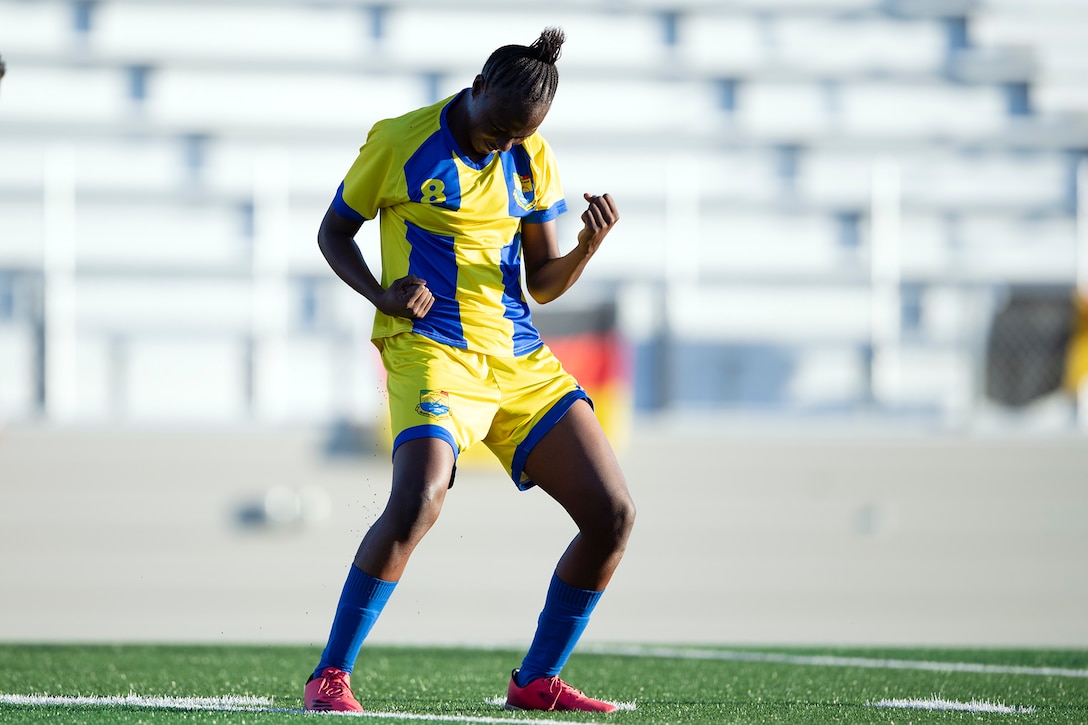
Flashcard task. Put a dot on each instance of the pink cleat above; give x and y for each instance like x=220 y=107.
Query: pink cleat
x=330 y=690
x=551 y=693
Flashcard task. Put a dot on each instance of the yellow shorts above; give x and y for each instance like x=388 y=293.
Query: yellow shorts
x=462 y=397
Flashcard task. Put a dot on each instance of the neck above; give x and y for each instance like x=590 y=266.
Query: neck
x=457 y=118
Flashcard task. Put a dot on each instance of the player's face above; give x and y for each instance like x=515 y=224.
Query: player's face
x=497 y=124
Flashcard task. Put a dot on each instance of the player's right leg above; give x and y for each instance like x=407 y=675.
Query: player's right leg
x=422 y=469
x=421 y=475
x=436 y=409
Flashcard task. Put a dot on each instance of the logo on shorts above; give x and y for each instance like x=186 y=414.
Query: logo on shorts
x=434 y=403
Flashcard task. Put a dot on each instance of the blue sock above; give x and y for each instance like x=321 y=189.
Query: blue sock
x=564 y=618
x=361 y=601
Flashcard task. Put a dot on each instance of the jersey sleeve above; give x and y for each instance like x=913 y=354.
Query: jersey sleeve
x=550 y=201
x=373 y=180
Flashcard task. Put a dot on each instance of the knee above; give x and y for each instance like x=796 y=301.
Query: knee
x=410 y=517
x=623 y=518
x=615 y=523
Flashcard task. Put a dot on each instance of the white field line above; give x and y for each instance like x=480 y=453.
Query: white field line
x=230 y=702
x=832 y=661
x=240 y=704
x=936 y=703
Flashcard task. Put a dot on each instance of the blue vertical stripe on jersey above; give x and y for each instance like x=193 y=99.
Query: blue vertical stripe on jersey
x=434 y=259
x=525 y=337
x=431 y=175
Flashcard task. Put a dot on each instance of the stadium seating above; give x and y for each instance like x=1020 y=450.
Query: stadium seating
x=742 y=134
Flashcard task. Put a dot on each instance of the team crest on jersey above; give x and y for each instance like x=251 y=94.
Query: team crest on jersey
x=434 y=404
x=524 y=195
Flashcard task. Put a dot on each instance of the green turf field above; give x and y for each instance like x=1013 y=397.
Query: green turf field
x=186 y=684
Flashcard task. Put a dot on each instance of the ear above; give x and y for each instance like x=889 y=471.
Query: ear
x=478 y=85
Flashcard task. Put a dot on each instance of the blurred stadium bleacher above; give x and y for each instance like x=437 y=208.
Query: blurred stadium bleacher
x=824 y=201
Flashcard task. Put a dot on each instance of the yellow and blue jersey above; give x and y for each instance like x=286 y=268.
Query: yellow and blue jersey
x=455 y=223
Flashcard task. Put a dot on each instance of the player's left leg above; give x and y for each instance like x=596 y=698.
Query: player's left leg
x=575 y=465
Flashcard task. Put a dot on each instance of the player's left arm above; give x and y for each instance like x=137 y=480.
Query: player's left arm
x=548 y=274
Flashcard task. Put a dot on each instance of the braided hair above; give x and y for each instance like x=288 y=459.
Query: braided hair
x=527 y=73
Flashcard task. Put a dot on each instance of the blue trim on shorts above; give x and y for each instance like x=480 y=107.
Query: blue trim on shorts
x=425 y=431
x=553 y=416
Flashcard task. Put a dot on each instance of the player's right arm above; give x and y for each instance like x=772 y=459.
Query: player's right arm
x=406 y=297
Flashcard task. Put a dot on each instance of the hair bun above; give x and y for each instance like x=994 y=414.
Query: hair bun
x=549 y=45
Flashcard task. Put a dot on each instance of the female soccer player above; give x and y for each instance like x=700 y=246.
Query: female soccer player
x=467 y=192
